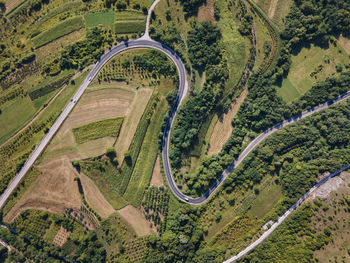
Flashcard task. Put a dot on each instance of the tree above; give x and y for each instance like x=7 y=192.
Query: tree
x=111 y=153
x=2 y=6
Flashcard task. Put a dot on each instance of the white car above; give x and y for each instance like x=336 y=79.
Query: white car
x=90 y=79
x=186 y=199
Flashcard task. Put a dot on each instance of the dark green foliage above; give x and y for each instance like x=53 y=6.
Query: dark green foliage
x=191 y=6
x=203 y=44
x=82 y=53
x=3 y=252
x=316 y=20
x=155 y=62
x=169 y=36
x=299 y=153
x=111 y=153
x=181 y=239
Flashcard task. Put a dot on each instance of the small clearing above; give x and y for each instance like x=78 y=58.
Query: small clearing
x=95 y=198
x=206 y=11
x=157 y=179
x=53 y=190
x=272 y=8
x=223 y=127
x=136 y=220
x=344 y=41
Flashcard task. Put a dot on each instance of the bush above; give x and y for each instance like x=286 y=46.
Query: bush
x=111 y=153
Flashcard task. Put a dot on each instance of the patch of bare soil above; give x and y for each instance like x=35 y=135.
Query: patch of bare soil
x=53 y=191
x=223 y=127
x=157 y=175
x=95 y=198
x=206 y=11
x=272 y=8
x=344 y=41
x=136 y=220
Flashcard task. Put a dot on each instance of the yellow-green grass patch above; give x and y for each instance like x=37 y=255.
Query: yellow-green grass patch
x=311 y=65
x=102 y=18
x=14 y=114
x=128 y=27
x=59 y=30
x=98 y=129
x=287 y=91
x=266 y=199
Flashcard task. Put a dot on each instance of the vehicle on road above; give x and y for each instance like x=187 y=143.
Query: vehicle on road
x=186 y=199
x=90 y=79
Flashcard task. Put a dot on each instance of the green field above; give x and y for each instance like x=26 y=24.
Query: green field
x=14 y=114
x=311 y=65
x=144 y=166
x=127 y=27
x=129 y=15
x=99 y=129
x=103 y=18
x=68 y=26
x=287 y=91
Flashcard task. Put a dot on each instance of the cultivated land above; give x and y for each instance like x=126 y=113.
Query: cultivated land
x=53 y=190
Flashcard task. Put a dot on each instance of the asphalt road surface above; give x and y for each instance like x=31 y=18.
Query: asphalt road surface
x=140 y=43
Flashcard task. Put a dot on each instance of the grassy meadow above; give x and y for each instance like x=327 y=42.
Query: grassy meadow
x=311 y=65
x=103 y=18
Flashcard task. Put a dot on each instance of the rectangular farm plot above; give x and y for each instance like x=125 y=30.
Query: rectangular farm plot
x=66 y=27
x=127 y=27
x=102 y=18
x=129 y=15
x=99 y=129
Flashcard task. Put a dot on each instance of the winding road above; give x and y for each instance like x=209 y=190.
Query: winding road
x=146 y=42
